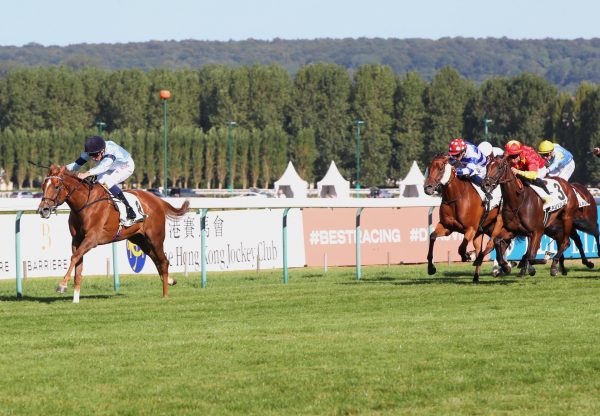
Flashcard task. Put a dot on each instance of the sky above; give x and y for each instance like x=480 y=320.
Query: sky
x=65 y=22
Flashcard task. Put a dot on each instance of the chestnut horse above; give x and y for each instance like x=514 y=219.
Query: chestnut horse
x=94 y=220
x=462 y=211
x=523 y=212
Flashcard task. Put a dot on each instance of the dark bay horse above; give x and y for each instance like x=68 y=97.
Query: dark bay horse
x=523 y=212
x=94 y=220
x=586 y=221
x=462 y=211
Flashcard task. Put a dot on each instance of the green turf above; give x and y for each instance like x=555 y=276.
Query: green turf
x=397 y=342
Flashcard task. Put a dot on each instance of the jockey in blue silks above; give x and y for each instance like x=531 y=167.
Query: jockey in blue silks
x=115 y=166
x=469 y=162
x=559 y=161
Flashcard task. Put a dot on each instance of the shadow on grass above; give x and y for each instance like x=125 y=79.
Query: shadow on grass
x=455 y=278
x=51 y=299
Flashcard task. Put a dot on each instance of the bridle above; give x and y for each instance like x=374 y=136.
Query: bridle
x=59 y=188
x=496 y=180
x=444 y=176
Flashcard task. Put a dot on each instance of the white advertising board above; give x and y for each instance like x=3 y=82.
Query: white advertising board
x=236 y=240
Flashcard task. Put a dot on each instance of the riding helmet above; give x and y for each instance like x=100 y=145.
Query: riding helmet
x=456 y=146
x=94 y=144
x=546 y=147
x=513 y=147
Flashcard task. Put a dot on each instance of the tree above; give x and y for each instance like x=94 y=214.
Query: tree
x=304 y=153
x=373 y=102
x=408 y=139
x=445 y=100
x=321 y=102
x=123 y=99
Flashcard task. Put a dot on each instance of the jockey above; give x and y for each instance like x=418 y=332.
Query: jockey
x=115 y=166
x=488 y=150
x=468 y=160
x=526 y=163
x=558 y=159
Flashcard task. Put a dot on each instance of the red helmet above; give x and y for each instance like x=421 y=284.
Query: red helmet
x=456 y=146
x=513 y=147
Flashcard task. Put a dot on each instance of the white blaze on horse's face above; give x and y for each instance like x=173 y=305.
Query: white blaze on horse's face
x=446 y=175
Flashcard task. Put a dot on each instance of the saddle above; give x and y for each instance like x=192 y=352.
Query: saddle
x=496 y=196
x=133 y=200
x=555 y=199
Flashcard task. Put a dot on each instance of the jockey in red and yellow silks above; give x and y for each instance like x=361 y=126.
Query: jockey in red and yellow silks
x=526 y=162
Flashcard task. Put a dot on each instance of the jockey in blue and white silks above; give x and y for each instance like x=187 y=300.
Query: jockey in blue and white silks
x=115 y=166
x=559 y=161
x=470 y=163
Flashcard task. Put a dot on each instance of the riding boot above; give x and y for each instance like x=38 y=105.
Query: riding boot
x=539 y=182
x=121 y=197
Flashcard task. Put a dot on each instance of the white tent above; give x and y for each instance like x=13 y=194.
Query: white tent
x=333 y=184
x=291 y=184
x=412 y=185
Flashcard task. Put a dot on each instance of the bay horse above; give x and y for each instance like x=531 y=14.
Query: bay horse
x=523 y=212
x=94 y=220
x=586 y=221
x=463 y=211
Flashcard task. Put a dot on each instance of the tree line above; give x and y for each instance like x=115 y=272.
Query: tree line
x=46 y=112
x=564 y=63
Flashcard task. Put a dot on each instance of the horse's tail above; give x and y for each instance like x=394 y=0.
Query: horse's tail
x=176 y=212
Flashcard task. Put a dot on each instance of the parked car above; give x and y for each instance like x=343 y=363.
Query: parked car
x=156 y=192
x=182 y=192
x=21 y=194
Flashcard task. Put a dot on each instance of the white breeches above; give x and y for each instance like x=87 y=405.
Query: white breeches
x=116 y=176
x=566 y=172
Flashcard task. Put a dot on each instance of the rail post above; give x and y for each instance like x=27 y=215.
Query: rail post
x=202 y=213
x=284 y=232
x=357 y=235
x=18 y=264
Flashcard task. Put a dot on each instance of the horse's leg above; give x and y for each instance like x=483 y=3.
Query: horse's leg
x=159 y=259
x=534 y=245
x=577 y=240
x=501 y=244
x=564 y=243
x=78 y=278
x=462 y=250
x=76 y=262
x=64 y=283
x=477 y=240
x=439 y=231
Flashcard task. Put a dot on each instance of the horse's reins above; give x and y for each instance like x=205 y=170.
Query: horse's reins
x=497 y=181
x=71 y=191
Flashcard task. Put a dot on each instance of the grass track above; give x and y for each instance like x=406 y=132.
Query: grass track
x=397 y=342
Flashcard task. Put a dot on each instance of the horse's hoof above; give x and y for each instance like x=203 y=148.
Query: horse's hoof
x=522 y=272
x=172 y=282
x=495 y=271
x=475 y=279
x=589 y=264
x=531 y=271
x=431 y=270
x=61 y=289
x=563 y=272
x=553 y=271
x=507 y=269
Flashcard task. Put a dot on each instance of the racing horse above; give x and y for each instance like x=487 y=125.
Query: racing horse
x=463 y=211
x=94 y=220
x=523 y=212
x=586 y=221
